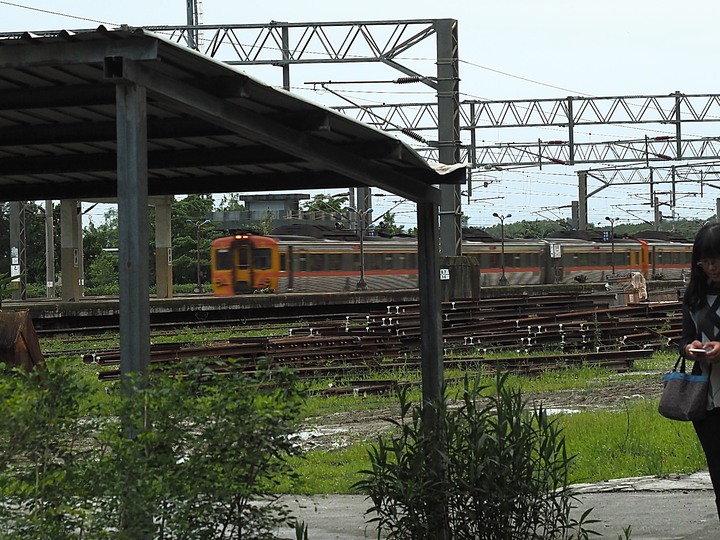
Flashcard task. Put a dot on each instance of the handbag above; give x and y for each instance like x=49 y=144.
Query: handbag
x=684 y=396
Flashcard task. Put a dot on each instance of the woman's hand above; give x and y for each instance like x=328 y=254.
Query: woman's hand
x=711 y=348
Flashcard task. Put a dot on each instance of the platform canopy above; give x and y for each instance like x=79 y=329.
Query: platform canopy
x=210 y=127
x=128 y=114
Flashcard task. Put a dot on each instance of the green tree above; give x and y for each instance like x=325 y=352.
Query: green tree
x=231 y=202
x=386 y=224
x=35 y=248
x=330 y=204
x=101 y=264
x=187 y=213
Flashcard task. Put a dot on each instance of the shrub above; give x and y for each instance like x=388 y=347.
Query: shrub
x=191 y=454
x=503 y=471
x=43 y=453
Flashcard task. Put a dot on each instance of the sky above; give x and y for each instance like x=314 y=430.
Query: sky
x=510 y=49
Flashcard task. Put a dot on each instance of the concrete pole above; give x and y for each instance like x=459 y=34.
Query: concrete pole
x=49 y=250
x=70 y=250
x=163 y=248
x=17 y=249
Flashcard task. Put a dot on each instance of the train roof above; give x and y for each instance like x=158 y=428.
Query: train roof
x=664 y=236
x=473 y=234
x=312 y=231
x=589 y=235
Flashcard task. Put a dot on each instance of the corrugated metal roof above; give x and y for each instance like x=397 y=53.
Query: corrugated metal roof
x=210 y=127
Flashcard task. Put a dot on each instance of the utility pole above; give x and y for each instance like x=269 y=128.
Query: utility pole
x=448 y=99
x=193 y=19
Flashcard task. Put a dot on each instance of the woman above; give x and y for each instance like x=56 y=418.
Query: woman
x=700 y=339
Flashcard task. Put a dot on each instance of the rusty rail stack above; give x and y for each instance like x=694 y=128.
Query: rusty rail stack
x=522 y=334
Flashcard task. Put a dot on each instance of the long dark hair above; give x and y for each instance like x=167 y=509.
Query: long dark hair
x=706 y=246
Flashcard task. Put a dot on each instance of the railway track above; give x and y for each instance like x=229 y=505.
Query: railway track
x=510 y=334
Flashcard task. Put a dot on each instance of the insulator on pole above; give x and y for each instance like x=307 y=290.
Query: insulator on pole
x=408 y=80
x=413 y=135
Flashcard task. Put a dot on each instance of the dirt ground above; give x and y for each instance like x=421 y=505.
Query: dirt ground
x=341 y=429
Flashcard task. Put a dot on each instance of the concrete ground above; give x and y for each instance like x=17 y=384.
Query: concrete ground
x=679 y=508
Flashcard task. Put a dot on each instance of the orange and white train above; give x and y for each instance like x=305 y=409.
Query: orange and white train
x=246 y=263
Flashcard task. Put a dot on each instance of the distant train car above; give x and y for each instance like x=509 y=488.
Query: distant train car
x=669 y=260
x=312 y=265
x=244 y=263
x=523 y=262
x=585 y=261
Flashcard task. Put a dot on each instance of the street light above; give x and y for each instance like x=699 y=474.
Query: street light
x=198 y=224
x=361 y=285
x=503 y=279
x=612 y=242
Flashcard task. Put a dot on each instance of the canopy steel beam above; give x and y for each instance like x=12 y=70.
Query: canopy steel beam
x=244 y=122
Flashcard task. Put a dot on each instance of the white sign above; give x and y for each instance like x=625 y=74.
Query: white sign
x=555 y=251
x=444 y=274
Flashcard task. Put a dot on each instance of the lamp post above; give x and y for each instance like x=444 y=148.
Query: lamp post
x=503 y=279
x=612 y=242
x=361 y=214
x=198 y=224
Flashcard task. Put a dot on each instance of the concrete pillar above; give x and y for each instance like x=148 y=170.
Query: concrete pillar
x=163 y=248
x=18 y=250
x=459 y=278
x=70 y=250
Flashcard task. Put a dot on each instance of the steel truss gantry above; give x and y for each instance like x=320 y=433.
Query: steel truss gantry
x=676 y=110
x=283 y=44
x=653 y=112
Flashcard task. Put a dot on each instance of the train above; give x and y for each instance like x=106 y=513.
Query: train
x=247 y=263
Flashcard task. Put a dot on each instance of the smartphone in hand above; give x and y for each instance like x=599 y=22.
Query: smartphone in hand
x=698 y=351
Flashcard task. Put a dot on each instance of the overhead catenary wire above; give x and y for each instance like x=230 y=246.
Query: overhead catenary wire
x=58 y=13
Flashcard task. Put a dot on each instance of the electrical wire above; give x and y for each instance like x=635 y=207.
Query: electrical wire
x=58 y=13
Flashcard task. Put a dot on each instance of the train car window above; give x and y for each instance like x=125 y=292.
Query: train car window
x=374 y=261
x=243 y=259
x=283 y=262
x=334 y=261
x=223 y=259
x=262 y=258
x=412 y=260
x=351 y=261
x=316 y=262
x=400 y=261
x=389 y=261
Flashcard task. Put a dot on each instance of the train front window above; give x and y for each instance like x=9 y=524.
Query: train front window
x=223 y=259
x=262 y=258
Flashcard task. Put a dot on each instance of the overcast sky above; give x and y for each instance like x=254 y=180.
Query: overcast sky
x=509 y=49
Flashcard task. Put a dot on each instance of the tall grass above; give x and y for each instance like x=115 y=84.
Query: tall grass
x=608 y=444
x=635 y=441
